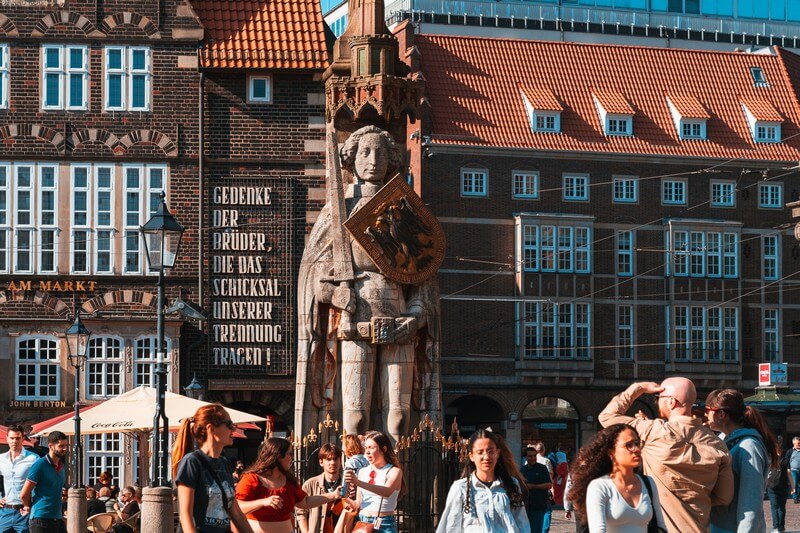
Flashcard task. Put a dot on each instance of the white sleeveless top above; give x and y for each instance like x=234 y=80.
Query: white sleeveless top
x=369 y=500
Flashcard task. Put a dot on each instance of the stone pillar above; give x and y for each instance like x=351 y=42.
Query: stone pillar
x=156 y=510
x=76 y=509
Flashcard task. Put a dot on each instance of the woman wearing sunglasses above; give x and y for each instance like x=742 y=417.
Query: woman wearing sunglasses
x=204 y=477
x=606 y=489
x=268 y=492
x=379 y=484
x=753 y=450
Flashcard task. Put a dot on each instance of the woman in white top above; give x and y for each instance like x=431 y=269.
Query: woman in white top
x=606 y=488
x=488 y=498
x=379 y=484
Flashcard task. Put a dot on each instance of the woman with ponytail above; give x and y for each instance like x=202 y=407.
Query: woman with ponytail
x=488 y=497
x=205 y=484
x=753 y=449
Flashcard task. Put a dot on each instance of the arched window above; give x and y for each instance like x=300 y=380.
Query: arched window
x=104 y=377
x=38 y=369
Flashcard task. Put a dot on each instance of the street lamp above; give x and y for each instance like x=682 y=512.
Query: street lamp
x=77 y=344
x=162 y=236
x=194 y=390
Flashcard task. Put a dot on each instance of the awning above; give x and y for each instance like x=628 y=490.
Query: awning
x=774 y=399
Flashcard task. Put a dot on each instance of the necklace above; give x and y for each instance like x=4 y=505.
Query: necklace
x=330 y=486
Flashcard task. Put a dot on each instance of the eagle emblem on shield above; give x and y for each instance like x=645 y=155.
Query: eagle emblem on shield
x=399 y=233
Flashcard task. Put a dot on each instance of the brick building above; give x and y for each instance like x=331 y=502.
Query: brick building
x=98 y=117
x=613 y=214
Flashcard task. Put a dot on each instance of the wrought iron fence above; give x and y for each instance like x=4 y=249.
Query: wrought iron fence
x=431 y=462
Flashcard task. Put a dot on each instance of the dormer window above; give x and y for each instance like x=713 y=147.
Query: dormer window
x=759 y=80
x=546 y=121
x=616 y=114
x=688 y=115
x=763 y=119
x=543 y=109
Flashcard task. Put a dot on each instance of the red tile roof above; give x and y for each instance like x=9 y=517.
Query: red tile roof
x=473 y=89
x=541 y=98
x=612 y=102
x=688 y=106
x=262 y=34
x=762 y=110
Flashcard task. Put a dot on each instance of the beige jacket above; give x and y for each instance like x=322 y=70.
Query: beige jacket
x=316 y=516
x=690 y=465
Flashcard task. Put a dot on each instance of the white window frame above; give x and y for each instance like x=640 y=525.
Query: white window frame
x=614 y=125
x=145 y=358
x=625 y=247
x=771 y=257
x=626 y=349
x=21 y=228
x=546 y=122
x=474 y=182
x=100 y=228
x=251 y=97
x=105 y=452
x=705 y=334
x=112 y=367
x=148 y=201
x=6 y=218
x=546 y=325
x=5 y=75
x=723 y=198
x=772 y=193
x=44 y=227
x=127 y=74
x=771 y=320
x=65 y=72
x=39 y=363
x=767 y=132
x=84 y=227
x=525 y=185
x=544 y=248
x=696 y=129
x=575 y=187
x=669 y=190
x=628 y=187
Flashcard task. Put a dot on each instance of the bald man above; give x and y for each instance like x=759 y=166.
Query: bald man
x=690 y=465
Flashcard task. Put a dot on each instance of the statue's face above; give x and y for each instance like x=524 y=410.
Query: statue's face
x=372 y=159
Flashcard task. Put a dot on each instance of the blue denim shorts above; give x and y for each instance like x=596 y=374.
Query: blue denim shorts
x=388 y=523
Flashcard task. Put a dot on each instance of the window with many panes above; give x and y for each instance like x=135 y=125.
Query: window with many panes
x=81 y=225
x=673 y=192
x=723 y=194
x=772 y=338
x=708 y=334
x=770 y=249
x=92 y=218
x=144 y=361
x=28 y=218
x=556 y=330
x=767 y=133
x=104 y=453
x=770 y=195
x=547 y=248
x=4 y=75
x=625 y=253
x=576 y=187
x=710 y=254
x=143 y=185
x=65 y=77
x=104 y=365
x=526 y=185
x=127 y=78
x=626 y=189
x=693 y=129
x=625 y=332
x=38 y=369
x=620 y=125
x=474 y=182
x=104 y=219
x=546 y=122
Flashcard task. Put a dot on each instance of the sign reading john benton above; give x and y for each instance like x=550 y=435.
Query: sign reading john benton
x=251 y=270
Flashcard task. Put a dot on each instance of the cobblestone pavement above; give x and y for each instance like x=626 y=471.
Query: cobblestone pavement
x=560 y=525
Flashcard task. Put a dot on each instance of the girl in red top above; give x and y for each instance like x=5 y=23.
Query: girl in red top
x=268 y=492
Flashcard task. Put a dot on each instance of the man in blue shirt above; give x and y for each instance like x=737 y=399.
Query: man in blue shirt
x=43 y=487
x=538 y=483
x=14 y=467
x=794 y=468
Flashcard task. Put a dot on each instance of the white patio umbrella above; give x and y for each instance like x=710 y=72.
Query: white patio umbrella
x=132 y=413
x=134 y=410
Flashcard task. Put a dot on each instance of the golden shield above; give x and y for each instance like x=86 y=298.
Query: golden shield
x=399 y=233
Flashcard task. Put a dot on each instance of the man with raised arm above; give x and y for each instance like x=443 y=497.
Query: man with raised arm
x=690 y=465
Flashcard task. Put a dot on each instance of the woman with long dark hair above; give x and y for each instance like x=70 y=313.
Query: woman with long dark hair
x=205 y=483
x=606 y=490
x=268 y=491
x=753 y=449
x=379 y=484
x=488 y=497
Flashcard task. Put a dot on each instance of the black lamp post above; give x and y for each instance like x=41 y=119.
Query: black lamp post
x=162 y=236
x=194 y=390
x=77 y=344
